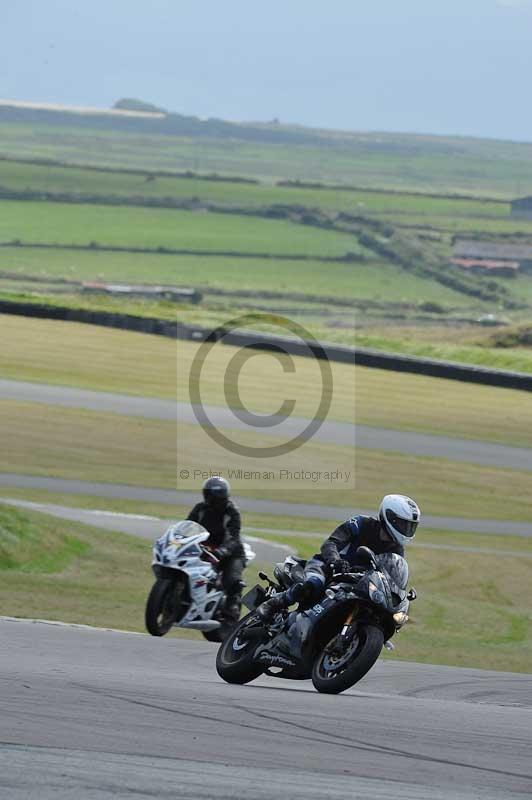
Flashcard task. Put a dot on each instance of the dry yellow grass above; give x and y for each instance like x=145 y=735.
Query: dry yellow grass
x=42 y=440
x=113 y=360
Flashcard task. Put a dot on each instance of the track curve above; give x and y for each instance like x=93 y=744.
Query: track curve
x=146 y=527
x=149 y=494
x=99 y=714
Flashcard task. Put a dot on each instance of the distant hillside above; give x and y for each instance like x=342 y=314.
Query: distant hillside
x=152 y=121
x=139 y=136
x=132 y=104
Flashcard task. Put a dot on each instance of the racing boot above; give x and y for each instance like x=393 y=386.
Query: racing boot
x=278 y=602
x=232 y=608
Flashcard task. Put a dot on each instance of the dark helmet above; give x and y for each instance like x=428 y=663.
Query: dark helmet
x=216 y=491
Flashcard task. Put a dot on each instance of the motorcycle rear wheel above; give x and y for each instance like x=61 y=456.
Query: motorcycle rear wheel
x=234 y=660
x=162 y=606
x=330 y=679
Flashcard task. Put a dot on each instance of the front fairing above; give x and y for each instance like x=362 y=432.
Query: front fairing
x=386 y=586
x=395 y=568
x=180 y=547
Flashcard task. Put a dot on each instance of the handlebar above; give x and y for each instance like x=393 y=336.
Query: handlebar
x=208 y=555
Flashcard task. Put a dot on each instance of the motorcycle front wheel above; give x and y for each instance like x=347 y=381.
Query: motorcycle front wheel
x=162 y=606
x=334 y=673
x=234 y=660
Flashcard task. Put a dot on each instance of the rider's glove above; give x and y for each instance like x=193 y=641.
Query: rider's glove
x=340 y=566
x=221 y=552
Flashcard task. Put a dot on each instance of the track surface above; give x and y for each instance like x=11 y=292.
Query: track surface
x=338 y=433
x=276 y=508
x=97 y=714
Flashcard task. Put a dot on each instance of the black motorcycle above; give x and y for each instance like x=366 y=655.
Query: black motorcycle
x=337 y=641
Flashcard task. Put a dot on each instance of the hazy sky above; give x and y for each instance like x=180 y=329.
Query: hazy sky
x=438 y=66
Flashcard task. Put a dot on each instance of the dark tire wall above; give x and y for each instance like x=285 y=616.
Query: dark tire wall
x=338 y=353
x=354 y=671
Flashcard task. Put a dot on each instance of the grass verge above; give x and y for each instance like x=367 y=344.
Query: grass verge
x=59 y=570
x=304 y=534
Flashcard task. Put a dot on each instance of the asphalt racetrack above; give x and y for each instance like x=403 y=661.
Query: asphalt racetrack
x=331 y=432
x=86 y=713
x=282 y=508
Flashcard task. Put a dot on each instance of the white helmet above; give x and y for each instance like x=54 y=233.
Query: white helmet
x=400 y=516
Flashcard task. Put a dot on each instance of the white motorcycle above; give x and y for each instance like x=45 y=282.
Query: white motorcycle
x=188 y=589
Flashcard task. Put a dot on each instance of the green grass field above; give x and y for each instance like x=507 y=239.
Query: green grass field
x=47 y=178
x=60 y=570
x=384 y=160
x=377 y=281
x=62 y=223
x=394 y=292
x=468 y=226
x=411 y=341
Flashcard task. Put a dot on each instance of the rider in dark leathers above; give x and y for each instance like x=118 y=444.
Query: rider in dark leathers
x=221 y=518
x=395 y=526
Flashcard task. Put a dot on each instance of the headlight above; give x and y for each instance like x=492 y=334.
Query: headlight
x=375 y=594
x=400 y=617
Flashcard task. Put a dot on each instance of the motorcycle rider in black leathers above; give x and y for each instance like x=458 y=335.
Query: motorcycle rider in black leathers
x=221 y=518
x=394 y=527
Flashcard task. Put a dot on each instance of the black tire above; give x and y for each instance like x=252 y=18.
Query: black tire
x=238 y=666
x=162 y=606
x=368 y=648
x=220 y=634
x=213 y=636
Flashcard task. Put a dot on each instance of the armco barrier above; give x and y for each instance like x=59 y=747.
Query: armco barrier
x=339 y=353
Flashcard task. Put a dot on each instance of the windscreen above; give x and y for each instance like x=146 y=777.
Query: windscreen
x=396 y=568
x=184 y=529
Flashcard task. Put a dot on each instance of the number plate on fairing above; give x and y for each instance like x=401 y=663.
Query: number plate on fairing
x=257 y=595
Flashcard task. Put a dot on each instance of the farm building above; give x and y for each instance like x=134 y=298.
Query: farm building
x=491 y=256
x=504 y=269
x=522 y=207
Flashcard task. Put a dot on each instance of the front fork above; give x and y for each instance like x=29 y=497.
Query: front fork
x=341 y=642
x=348 y=622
